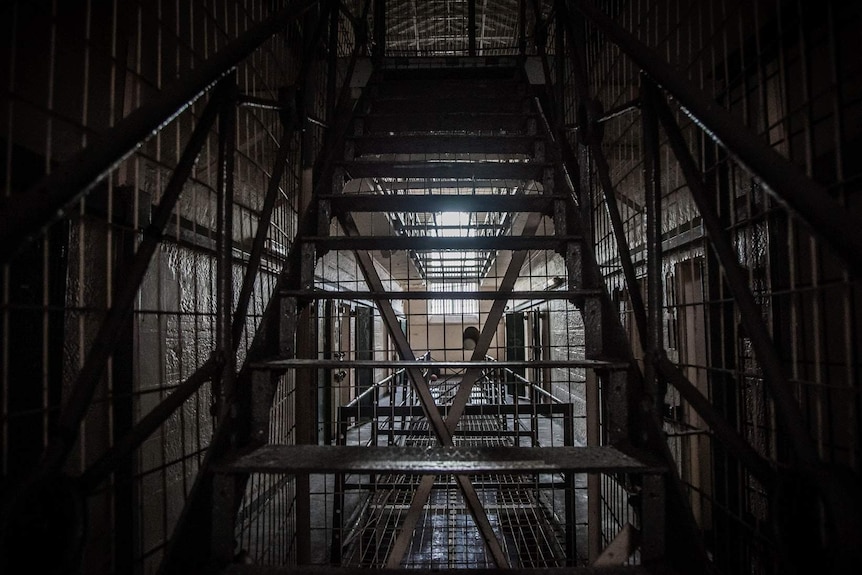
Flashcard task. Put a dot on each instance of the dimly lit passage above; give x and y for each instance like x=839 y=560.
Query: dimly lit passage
x=320 y=286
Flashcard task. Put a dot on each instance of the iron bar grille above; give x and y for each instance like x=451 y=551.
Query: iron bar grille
x=70 y=72
x=785 y=71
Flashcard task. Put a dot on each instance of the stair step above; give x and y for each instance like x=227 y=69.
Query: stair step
x=331 y=570
x=403 y=203
x=477 y=88
x=467 y=68
x=433 y=244
x=452 y=295
x=438 y=460
x=460 y=122
x=282 y=364
x=470 y=410
x=439 y=102
x=448 y=170
x=439 y=144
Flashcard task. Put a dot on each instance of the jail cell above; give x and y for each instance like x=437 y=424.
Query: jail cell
x=553 y=285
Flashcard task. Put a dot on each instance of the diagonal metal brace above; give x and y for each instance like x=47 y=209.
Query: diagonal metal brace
x=415 y=374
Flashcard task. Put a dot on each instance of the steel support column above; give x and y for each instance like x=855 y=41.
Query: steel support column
x=47 y=202
x=223 y=386
x=652 y=198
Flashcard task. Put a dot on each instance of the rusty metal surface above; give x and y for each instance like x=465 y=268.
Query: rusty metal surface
x=302 y=459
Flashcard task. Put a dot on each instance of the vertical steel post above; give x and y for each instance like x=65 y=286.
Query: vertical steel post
x=223 y=385
x=471 y=27
x=332 y=67
x=522 y=27
x=652 y=196
x=379 y=30
x=559 y=70
x=569 y=482
x=594 y=480
x=306 y=406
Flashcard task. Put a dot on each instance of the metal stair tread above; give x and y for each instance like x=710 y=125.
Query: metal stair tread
x=454 y=295
x=287 y=363
x=442 y=202
x=439 y=460
x=445 y=170
x=239 y=569
x=419 y=243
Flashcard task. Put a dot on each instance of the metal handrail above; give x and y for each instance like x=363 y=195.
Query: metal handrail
x=424 y=357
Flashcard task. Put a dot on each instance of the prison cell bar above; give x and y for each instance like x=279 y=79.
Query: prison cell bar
x=48 y=200
x=808 y=200
x=266 y=342
x=105 y=342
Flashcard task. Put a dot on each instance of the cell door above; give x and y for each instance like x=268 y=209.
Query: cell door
x=515 y=351
x=364 y=350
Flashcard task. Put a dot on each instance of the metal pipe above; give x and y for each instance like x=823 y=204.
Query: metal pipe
x=809 y=200
x=223 y=386
x=356 y=400
x=24 y=216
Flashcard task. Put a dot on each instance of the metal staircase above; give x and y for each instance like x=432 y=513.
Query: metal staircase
x=426 y=141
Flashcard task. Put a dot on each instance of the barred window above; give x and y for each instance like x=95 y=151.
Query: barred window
x=453 y=306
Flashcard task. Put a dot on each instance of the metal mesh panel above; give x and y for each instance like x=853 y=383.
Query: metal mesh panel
x=781 y=69
x=71 y=72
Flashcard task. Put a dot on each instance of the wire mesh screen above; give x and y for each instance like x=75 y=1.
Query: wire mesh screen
x=783 y=70
x=72 y=71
